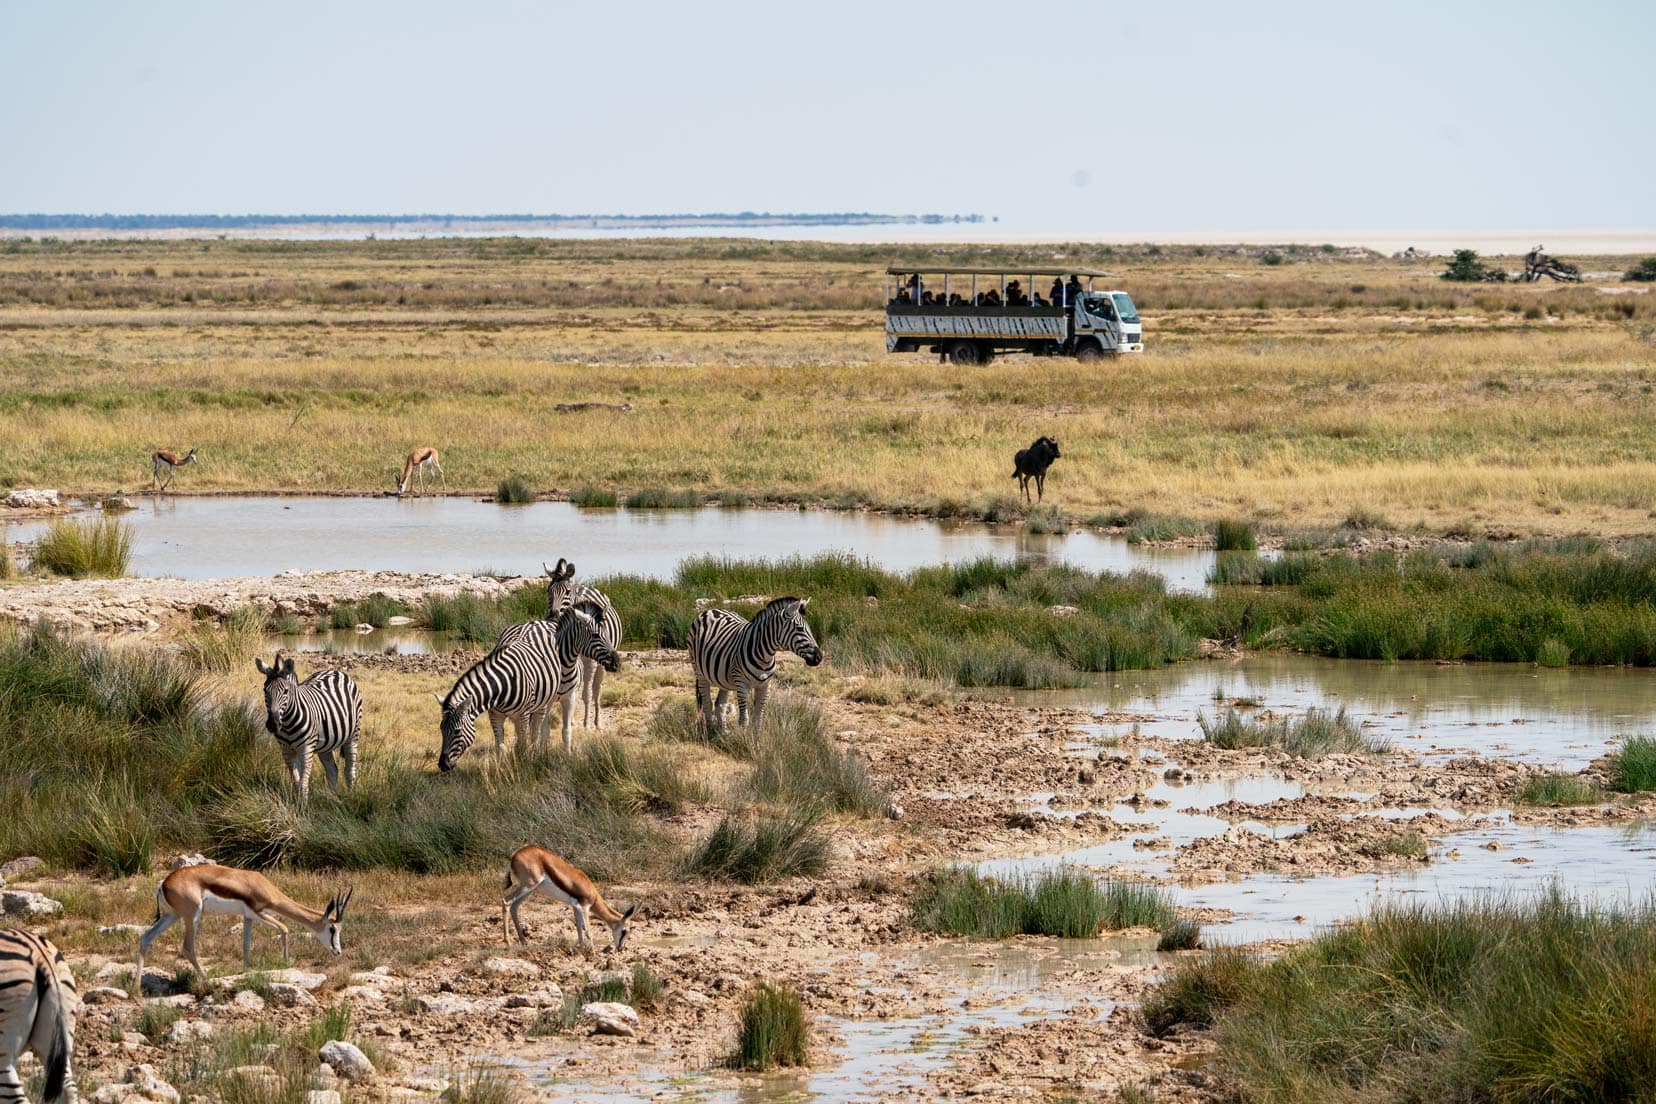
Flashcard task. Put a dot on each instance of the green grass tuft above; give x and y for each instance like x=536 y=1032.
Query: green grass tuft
x=762 y=850
x=514 y=490
x=1179 y=934
x=656 y=498
x=1155 y=529
x=1318 y=732
x=229 y=645
x=1230 y=535
x=1553 y=788
x=1633 y=768
x=1063 y=902
x=797 y=764
x=98 y=548
x=1046 y=519
x=774 y=1031
x=593 y=498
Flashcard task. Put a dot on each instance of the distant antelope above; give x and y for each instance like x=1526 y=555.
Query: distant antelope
x=729 y=652
x=536 y=869
x=38 y=1006
x=318 y=717
x=422 y=461
x=162 y=460
x=191 y=891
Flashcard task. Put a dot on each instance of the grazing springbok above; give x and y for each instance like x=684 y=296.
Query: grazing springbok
x=190 y=891
x=535 y=868
x=38 y=1006
x=422 y=461
x=1032 y=463
x=161 y=460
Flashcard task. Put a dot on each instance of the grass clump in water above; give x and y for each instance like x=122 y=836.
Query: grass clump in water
x=484 y=1084
x=1060 y=902
x=1179 y=934
x=1488 y=1000
x=1046 y=519
x=1633 y=768
x=1554 y=788
x=99 y=548
x=1158 y=529
x=763 y=849
x=8 y=563
x=470 y=618
x=514 y=490
x=1230 y=535
x=657 y=498
x=1318 y=732
x=594 y=498
x=774 y=1031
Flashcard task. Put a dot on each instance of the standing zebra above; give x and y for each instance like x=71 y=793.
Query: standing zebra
x=732 y=653
x=38 y=1006
x=564 y=594
x=560 y=594
x=321 y=715
x=522 y=680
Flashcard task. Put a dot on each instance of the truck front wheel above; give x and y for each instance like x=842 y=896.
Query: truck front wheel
x=1089 y=351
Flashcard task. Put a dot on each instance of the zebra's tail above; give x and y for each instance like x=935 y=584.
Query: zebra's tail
x=49 y=998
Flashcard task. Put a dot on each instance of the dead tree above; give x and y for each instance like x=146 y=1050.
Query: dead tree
x=1537 y=264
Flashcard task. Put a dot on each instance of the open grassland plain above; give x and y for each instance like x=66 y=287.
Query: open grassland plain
x=1286 y=394
x=820 y=858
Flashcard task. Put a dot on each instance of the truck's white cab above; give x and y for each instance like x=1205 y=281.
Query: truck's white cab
x=1111 y=317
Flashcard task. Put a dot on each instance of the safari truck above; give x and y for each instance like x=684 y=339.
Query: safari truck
x=970 y=314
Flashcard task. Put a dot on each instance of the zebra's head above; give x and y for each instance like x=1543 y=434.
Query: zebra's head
x=578 y=634
x=560 y=587
x=281 y=689
x=796 y=632
x=459 y=730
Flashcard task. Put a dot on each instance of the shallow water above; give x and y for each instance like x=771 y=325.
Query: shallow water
x=1568 y=716
x=210 y=538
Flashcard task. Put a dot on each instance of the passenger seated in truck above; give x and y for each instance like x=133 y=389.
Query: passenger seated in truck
x=1057 y=292
x=1015 y=296
x=955 y=299
x=902 y=300
x=926 y=299
x=1072 y=289
x=1036 y=300
x=991 y=298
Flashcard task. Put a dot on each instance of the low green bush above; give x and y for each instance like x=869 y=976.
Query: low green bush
x=83 y=548
x=1633 y=767
x=1063 y=902
x=773 y=1031
x=762 y=849
x=514 y=490
x=593 y=498
x=1318 y=732
x=1553 y=788
x=1231 y=535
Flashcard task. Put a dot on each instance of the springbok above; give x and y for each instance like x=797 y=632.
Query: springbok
x=422 y=461
x=535 y=868
x=190 y=891
x=169 y=462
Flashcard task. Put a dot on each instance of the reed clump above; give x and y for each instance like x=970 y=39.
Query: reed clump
x=774 y=1030
x=1062 y=902
x=1317 y=732
x=762 y=849
x=82 y=548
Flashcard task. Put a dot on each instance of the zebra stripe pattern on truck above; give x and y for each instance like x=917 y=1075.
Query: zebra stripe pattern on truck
x=318 y=717
x=731 y=653
x=522 y=680
x=38 y=1006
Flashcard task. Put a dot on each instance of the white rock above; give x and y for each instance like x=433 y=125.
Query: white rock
x=176 y=1000
x=399 y=620
x=297 y=977
x=20 y=866
x=347 y=1061
x=247 y=1002
x=324 y=1077
x=511 y=967
x=379 y=975
x=443 y=1004
x=610 y=1018
x=283 y=995
x=29 y=906
x=364 y=627
x=181 y=861
x=25 y=499
x=545 y=997
x=146 y=1081
x=189 y=1031
x=103 y=994
x=363 y=994
x=110 y=1094
x=322 y=1096
x=122 y=929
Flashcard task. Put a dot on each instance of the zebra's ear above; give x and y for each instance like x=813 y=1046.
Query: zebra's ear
x=258 y=663
x=287 y=665
x=803 y=602
x=438 y=698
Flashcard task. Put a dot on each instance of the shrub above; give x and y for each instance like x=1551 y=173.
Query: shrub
x=1466 y=268
x=1062 y=902
x=1361 y=517
x=1230 y=535
x=1158 y=529
x=797 y=764
x=1633 y=768
x=773 y=1030
x=1179 y=934
x=655 y=498
x=1272 y=258
x=1196 y=991
x=1644 y=271
x=514 y=490
x=1318 y=732
x=472 y=619
x=762 y=849
x=1552 y=653
x=647 y=987
x=1046 y=519
x=1553 y=788
x=678 y=719
x=8 y=565
x=484 y=1084
x=85 y=548
x=588 y=498
x=1247 y=569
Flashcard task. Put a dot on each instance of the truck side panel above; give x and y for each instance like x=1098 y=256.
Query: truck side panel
x=918 y=324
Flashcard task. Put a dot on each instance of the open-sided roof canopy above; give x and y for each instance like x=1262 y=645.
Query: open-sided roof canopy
x=1009 y=270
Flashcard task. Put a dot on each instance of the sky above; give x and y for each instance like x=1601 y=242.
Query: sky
x=1186 y=116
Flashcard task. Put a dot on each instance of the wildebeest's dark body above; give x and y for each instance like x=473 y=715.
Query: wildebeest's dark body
x=1032 y=463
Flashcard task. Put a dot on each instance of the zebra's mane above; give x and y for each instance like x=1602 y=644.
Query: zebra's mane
x=777 y=604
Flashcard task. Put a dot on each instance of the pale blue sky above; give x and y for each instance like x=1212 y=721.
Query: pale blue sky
x=1225 y=115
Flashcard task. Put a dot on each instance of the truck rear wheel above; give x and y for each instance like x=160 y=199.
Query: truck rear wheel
x=964 y=352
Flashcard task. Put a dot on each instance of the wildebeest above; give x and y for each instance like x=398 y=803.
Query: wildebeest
x=1032 y=463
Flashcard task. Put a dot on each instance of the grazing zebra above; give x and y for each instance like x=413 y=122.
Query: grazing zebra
x=732 y=653
x=561 y=595
x=321 y=715
x=190 y=892
x=162 y=460
x=38 y=1005
x=522 y=680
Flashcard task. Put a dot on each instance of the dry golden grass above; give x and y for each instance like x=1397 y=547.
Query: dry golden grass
x=1287 y=395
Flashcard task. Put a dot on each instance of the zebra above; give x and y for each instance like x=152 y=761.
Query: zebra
x=38 y=1006
x=732 y=653
x=321 y=715
x=522 y=680
x=559 y=596
x=563 y=594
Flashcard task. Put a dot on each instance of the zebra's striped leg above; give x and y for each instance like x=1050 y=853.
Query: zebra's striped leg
x=296 y=775
x=704 y=702
x=720 y=704
x=348 y=752
x=568 y=703
x=304 y=774
x=760 y=693
x=597 y=696
x=497 y=721
x=11 y=1085
x=742 y=707
x=329 y=769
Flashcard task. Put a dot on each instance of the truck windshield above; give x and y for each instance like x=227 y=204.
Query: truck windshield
x=1124 y=303
x=1099 y=306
